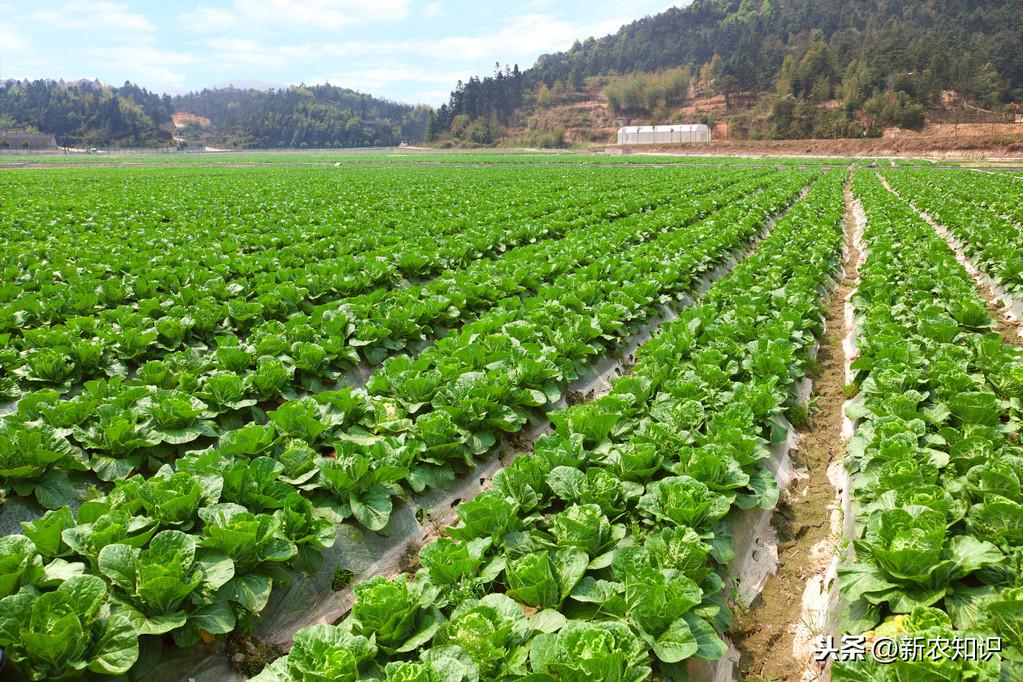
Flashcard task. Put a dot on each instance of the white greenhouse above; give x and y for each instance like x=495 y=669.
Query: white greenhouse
x=663 y=134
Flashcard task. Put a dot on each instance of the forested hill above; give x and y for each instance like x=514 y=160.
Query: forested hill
x=306 y=116
x=772 y=68
x=816 y=67
x=89 y=113
x=86 y=113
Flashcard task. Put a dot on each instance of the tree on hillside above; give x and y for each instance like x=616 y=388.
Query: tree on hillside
x=815 y=51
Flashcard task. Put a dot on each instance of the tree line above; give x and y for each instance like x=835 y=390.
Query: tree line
x=306 y=116
x=814 y=68
x=478 y=110
x=801 y=68
x=89 y=113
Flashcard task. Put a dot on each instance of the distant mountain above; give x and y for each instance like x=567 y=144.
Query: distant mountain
x=304 y=116
x=801 y=68
x=768 y=68
x=89 y=113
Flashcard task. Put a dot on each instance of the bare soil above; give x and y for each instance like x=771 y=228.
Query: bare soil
x=765 y=633
x=938 y=146
x=1009 y=329
x=249 y=655
x=963 y=129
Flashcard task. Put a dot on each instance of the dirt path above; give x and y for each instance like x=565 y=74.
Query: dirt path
x=1009 y=326
x=939 y=147
x=766 y=633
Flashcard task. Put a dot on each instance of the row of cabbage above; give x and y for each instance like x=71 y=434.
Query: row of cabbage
x=210 y=295
x=599 y=555
x=979 y=211
x=997 y=192
x=227 y=226
x=935 y=460
x=188 y=552
x=172 y=404
x=337 y=334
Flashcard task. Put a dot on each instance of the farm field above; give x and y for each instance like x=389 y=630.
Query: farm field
x=507 y=416
x=378 y=157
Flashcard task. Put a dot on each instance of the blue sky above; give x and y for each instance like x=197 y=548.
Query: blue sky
x=408 y=50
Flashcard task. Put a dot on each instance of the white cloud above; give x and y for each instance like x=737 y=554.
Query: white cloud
x=10 y=41
x=273 y=15
x=237 y=45
x=209 y=19
x=434 y=97
x=96 y=14
x=240 y=51
x=524 y=39
x=141 y=54
x=433 y=9
x=247 y=52
x=428 y=68
x=147 y=66
x=376 y=80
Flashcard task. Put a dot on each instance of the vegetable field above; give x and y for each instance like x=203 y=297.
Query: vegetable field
x=494 y=421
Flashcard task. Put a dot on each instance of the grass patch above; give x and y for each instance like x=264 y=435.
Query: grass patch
x=342 y=579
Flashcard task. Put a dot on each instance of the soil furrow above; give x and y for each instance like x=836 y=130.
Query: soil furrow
x=773 y=628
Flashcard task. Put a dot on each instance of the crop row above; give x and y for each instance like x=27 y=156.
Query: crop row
x=123 y=425
x=391 y=321
x=123 y=438
x=993 y=242
x=935 y=459
x=486 y=380
x=209 y=306
x=188 y=551
x=998 y=193
x=330 y=337
x=239 y=227
x=594 y=557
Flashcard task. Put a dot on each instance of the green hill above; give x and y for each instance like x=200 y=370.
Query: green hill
x=803 y=68
x=771 y=68
x=89 y=113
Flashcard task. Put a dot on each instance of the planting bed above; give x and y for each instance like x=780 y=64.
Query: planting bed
x=477 y=423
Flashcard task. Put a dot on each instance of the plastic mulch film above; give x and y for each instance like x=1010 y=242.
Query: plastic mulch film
x=823 y=608
x=359 y=554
